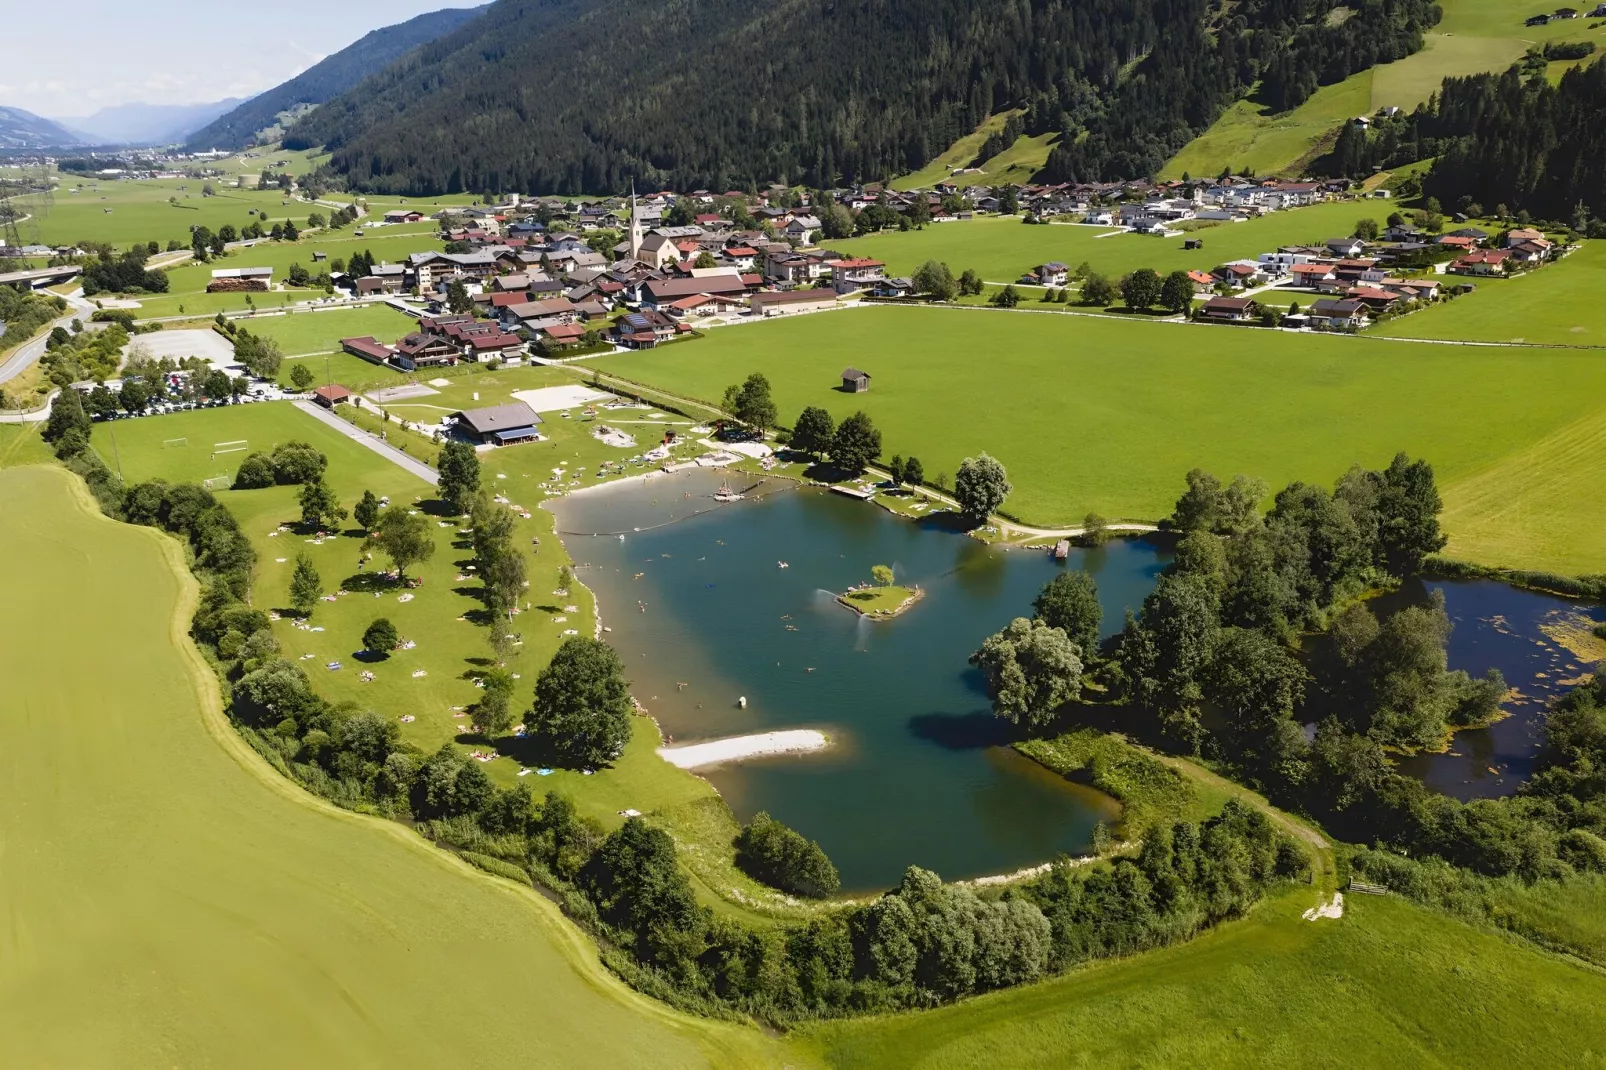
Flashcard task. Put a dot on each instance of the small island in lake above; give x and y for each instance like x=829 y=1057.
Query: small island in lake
x=881 y=600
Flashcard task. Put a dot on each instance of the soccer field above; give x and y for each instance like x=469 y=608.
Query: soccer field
x=1107 y=415
x=171 y=900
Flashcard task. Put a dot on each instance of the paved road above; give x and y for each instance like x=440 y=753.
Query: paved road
x=23 y=356
x=384 y=449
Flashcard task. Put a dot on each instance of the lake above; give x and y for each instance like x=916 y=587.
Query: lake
x=918 y=773
x=1513 y=630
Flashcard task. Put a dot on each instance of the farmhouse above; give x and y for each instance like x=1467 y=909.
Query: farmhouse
x=498 y=425
x=854 y=381
x=421 y=350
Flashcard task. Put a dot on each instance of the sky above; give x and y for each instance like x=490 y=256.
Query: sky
x=70 y=60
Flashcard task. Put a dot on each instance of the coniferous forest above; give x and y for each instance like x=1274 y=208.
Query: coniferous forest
x=571 y=96
x=1501 y=139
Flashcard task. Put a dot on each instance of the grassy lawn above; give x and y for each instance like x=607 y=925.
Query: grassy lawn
x=1390 y=984
x=1558 y=304
x=450 y=650
x=245 y=915
x=879 y=601
x=1249 y=135
x=1107 y=415
x=1001 y=249
x=321 y=331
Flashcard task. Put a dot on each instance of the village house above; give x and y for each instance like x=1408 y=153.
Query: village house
x=1336 y=314
x=1481 y=262
x=643 y=330
x=1203 y=281
x=1228 y=309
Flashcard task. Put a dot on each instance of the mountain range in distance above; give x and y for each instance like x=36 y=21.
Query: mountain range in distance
x=235 y=122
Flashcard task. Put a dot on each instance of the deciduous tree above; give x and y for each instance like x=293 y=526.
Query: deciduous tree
x=980 y=486
x=581 y=714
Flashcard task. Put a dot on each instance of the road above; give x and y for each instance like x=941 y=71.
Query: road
x=384 y=449
x=23 y=357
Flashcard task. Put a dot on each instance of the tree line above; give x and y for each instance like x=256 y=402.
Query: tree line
x=1261 y=624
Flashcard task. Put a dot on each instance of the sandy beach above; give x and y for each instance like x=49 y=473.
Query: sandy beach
x=735 y=748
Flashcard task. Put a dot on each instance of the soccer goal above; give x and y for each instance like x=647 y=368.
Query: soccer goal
x=239 y=445
x=218 y=482
x=174 y=443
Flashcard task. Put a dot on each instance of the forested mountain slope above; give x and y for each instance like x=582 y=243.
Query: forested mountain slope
x=577 y=96
x=331 y=76
x=1511 y=138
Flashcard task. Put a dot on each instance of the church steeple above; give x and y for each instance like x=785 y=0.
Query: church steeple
x=635 y=224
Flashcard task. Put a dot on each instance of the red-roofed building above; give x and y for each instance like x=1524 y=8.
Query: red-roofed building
x=1481 y=262
x=1203 y=281
x=368 y=348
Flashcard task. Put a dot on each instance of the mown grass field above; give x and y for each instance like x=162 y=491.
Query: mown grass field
x=1389 y=984
x=1107 y=415
x=1001 y=249
x=171 y=900
x=1017 y=163
x=320 y=332
x=1558 y=304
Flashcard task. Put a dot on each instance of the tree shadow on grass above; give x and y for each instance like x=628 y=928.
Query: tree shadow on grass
x=370 y=583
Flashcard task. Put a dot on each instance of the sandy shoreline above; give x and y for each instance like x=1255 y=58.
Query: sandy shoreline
x=735 y=748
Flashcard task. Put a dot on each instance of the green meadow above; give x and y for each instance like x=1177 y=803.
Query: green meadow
x=1001 y=249
x=1558 y=304
x=1102 y=414
x=124 y=212
x=1249 y=134
x=171 y=900
x=1389 y=984
x=1473 y=36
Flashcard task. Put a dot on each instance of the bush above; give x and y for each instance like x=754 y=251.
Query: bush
x=783 y=858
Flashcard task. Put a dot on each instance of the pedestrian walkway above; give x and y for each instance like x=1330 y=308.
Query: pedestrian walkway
x=384 y=449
